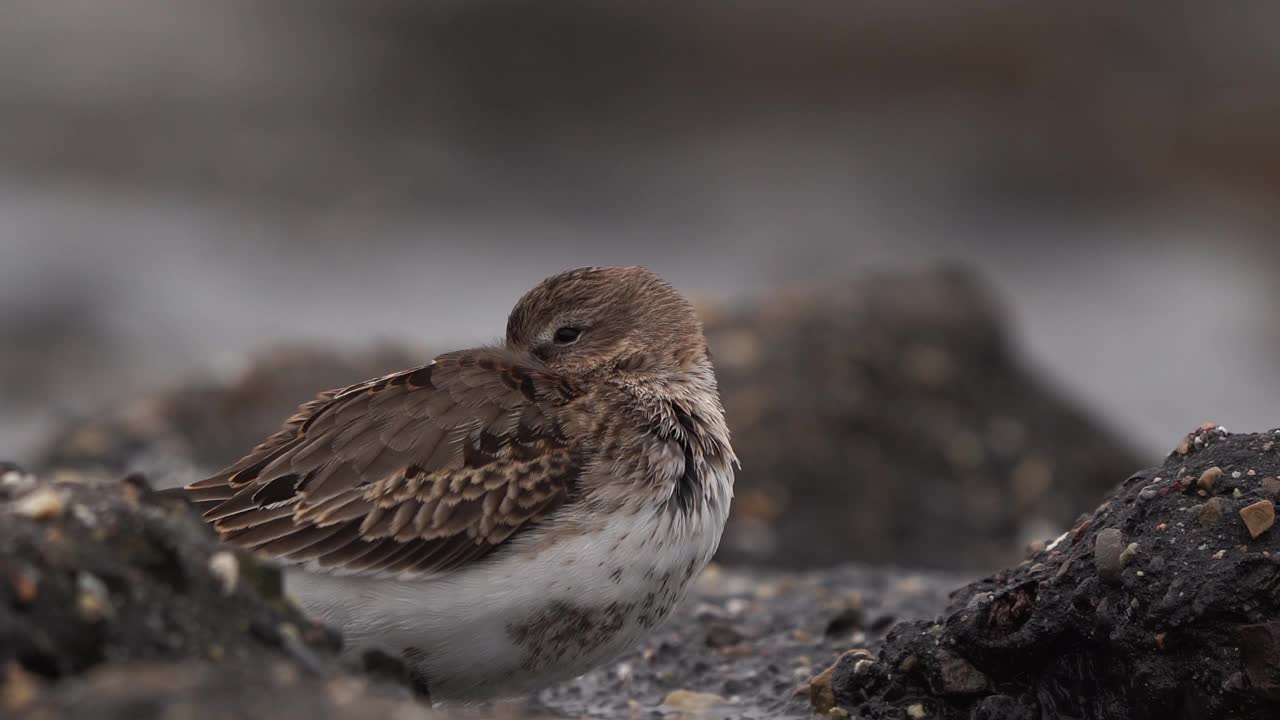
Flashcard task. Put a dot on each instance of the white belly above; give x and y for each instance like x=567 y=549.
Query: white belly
x=519 y=621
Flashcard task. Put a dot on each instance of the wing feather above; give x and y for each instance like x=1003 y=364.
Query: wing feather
x=420 y=471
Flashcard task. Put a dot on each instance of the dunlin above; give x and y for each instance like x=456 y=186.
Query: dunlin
x=508 y=516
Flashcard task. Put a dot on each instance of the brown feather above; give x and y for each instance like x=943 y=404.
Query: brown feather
x=418 y=471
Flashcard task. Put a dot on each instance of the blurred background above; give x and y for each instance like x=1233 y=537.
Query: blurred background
x=185 y=185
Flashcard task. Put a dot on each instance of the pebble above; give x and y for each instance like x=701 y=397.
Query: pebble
x=1208 y=478
x=43 y=504
x=1271 y=486
x=93 y=602
x=690 y=700
x=916 y=711
x=224 y=566
x=1149 y=492
x=821 y=695
x=1210 y=512
x=1107 y=548
x=1129 y=554
x=1259 y=517
x=26 y=585
x=19 y=689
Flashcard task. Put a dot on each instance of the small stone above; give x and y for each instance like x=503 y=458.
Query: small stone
x=43 y=504
x=19 y=689
x=821 y=695
x=957 y=676
x=1159 y=638
x=1129 y=554
x=93 y=602
x=26 y=585
x=225 y=567
x=1210 y=512
x=1258 y=517
x=1220 y=554
x=845 y=622
x=1208 y=478
x=1271 y=486
x=722 y=635
x=690 y=700
x=1236 y=493
x=916 y=711
x=1107 y=548
x=1150 y=492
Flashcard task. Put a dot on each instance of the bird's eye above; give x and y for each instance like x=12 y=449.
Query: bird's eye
x=567 y=335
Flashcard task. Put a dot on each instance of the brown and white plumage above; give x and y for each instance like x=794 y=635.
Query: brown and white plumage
x=458 y=510
x=417 y=472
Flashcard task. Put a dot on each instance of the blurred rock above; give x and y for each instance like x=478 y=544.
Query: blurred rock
x=889 y=420
x=179 y=434
x=113 y=602
x=1185 y=629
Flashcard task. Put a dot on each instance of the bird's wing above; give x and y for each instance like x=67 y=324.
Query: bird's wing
x=419 y=472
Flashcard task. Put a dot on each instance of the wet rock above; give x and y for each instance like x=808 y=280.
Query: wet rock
x=1190 y=633
x=891 y=420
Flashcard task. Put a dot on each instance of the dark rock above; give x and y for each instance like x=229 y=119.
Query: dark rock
x=957 y=676
x=114 y=601
x=845 y=622
x=1190 y=633
x=890 y=420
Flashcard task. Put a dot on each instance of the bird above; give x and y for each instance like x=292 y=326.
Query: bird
x=509 y=516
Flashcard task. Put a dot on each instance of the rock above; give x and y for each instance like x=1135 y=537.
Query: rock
x=42 y=504
x=128 y=604
x=1260 y=655
x=820 y=693
x=1130 y=552
x=1107 y=548
x=1210 y=512
x=1192 y=634
x=925 y=405
x=957 y=676
x=1258 y=517
x=1208 y=478
x=689 y=700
